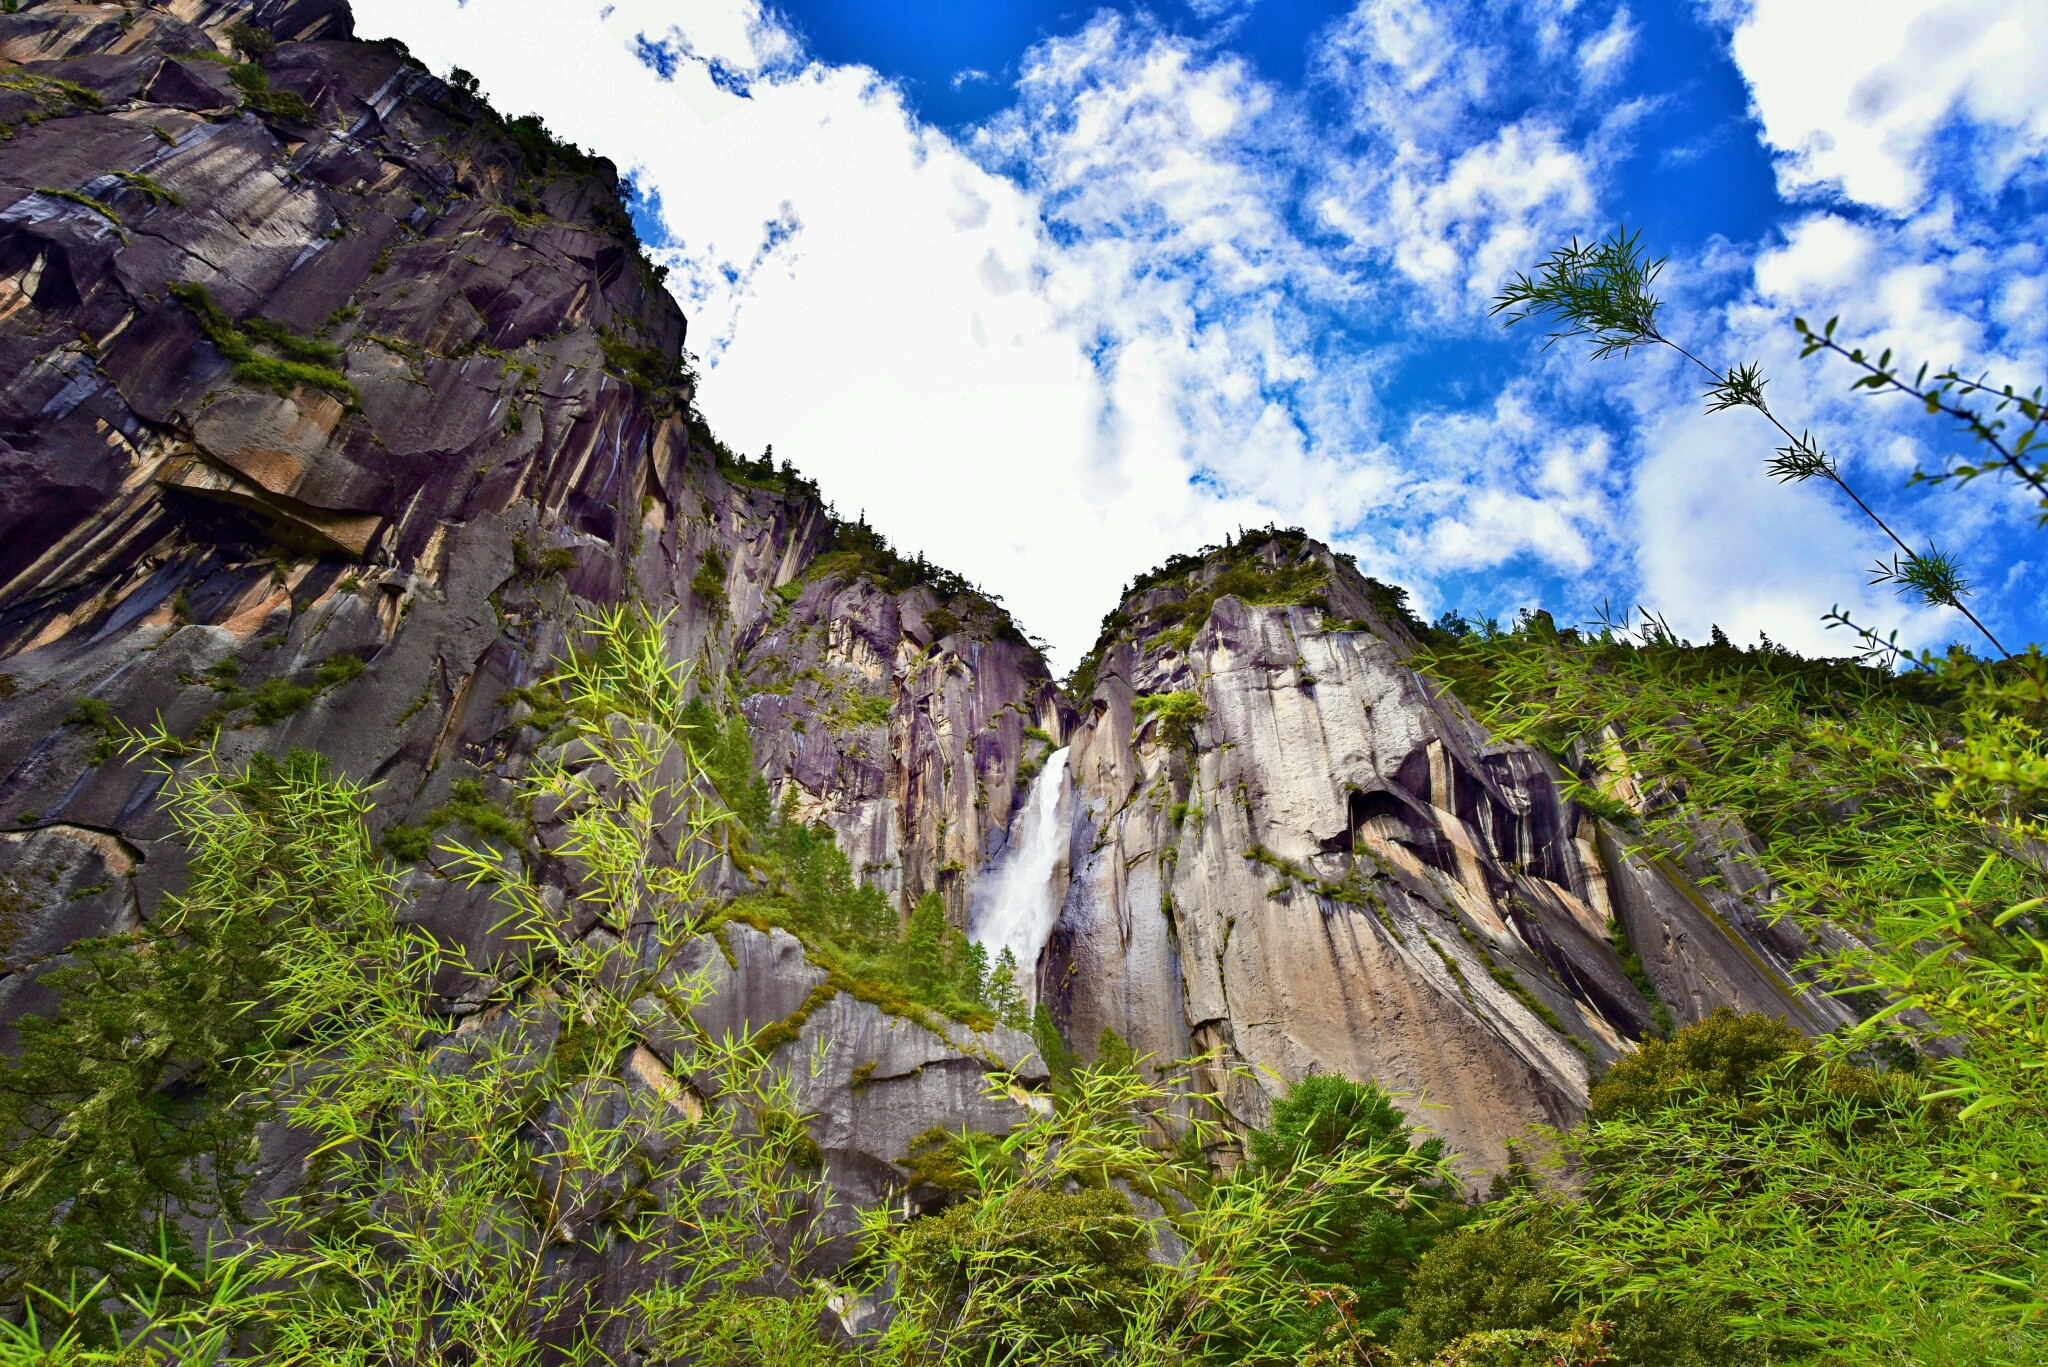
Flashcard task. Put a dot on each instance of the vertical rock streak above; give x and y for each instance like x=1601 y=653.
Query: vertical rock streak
x=1312 y=860
x=1332 y=867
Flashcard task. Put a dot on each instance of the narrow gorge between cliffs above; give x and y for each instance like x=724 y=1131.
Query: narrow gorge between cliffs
x=480 y=856
x=1018 y=900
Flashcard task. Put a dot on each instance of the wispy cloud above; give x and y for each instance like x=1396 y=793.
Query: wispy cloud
x=1161 y=297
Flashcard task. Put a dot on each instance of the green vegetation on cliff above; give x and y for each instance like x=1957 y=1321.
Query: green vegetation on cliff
x=807 y=887
x=1268 y=567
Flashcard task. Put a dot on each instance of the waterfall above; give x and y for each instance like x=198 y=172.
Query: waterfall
x=1019 y=900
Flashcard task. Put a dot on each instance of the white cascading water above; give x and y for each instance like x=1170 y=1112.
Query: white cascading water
x=1019 y=901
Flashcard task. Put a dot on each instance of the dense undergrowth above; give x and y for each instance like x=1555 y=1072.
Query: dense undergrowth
x=1878 y=1197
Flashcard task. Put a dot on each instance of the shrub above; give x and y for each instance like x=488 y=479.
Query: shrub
x=277 y=699
x=1043 y=1269
x=237 y=342
x=337 y=670
x=1180 y=713
x=1714 y=1059
x=1488 y=1275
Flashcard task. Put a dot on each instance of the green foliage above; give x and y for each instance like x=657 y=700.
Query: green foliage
x=259 y=95
x=469 y=806
x=256 y=44
x=857 y=550
x=1823 y=1212
x=1266 y=567
x=862 y=709
x=336 y=670
x=1715 y=1059
x=549 y=563
x=1005 y=992
x=1661 y=1024
x=2006 y=423
x=1370 y=1247
x=51 y=88
x=810 y=890
x=289 y=344
x=83 y=200
x=1051 y=1271
x=407 y=844
x=1796 y=1204
x=238 y=343
x=1487 y=1275
x=665 y=380
x=1053 y=1050
x=440 y=1238
x=97 y=715
x=1180 y=713
x=149 y=189
x=708 y=583
x=1245 y=579
x=129 y=1109
x=1038 y=1258
x=759 y=472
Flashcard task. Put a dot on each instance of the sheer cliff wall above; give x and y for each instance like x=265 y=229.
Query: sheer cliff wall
x=330 y=399
x=1295 y=853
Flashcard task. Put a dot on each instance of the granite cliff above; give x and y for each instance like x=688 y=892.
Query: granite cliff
x=329 y=401
x=1292 y=851
x=330 y=398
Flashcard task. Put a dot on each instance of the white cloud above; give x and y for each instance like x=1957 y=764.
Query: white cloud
x=877 y=305
x=1603 y=56
x=1854 y=95
x=1510 y=483
x=1138 y=309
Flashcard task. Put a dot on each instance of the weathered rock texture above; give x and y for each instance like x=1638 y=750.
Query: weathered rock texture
x=1337 y=870
x=329 y=400
x=485 y=435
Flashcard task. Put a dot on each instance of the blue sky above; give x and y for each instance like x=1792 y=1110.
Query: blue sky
x=1050 y=291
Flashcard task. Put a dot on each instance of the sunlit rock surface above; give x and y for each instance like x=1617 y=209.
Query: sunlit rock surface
x=483 y=442
x=1342 y=873
x=336 y=366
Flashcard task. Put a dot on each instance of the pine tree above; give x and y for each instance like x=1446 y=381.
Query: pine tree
x=974 y=979
x=1005 y=994
x=923 y=952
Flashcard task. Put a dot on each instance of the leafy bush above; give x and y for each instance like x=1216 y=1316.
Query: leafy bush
x=1370 y=1246
x=1714 y=1060
x=708 y=583
x=1488 y=1275
x=1180 y=714
x=258 y=94
x=1051 y=1271
x=1038 y=1258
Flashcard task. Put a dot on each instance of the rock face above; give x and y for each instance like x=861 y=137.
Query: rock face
x=1292 y=851
x=330 y=400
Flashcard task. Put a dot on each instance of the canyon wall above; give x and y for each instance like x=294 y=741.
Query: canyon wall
x=1293 y=852
x=331 y=401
